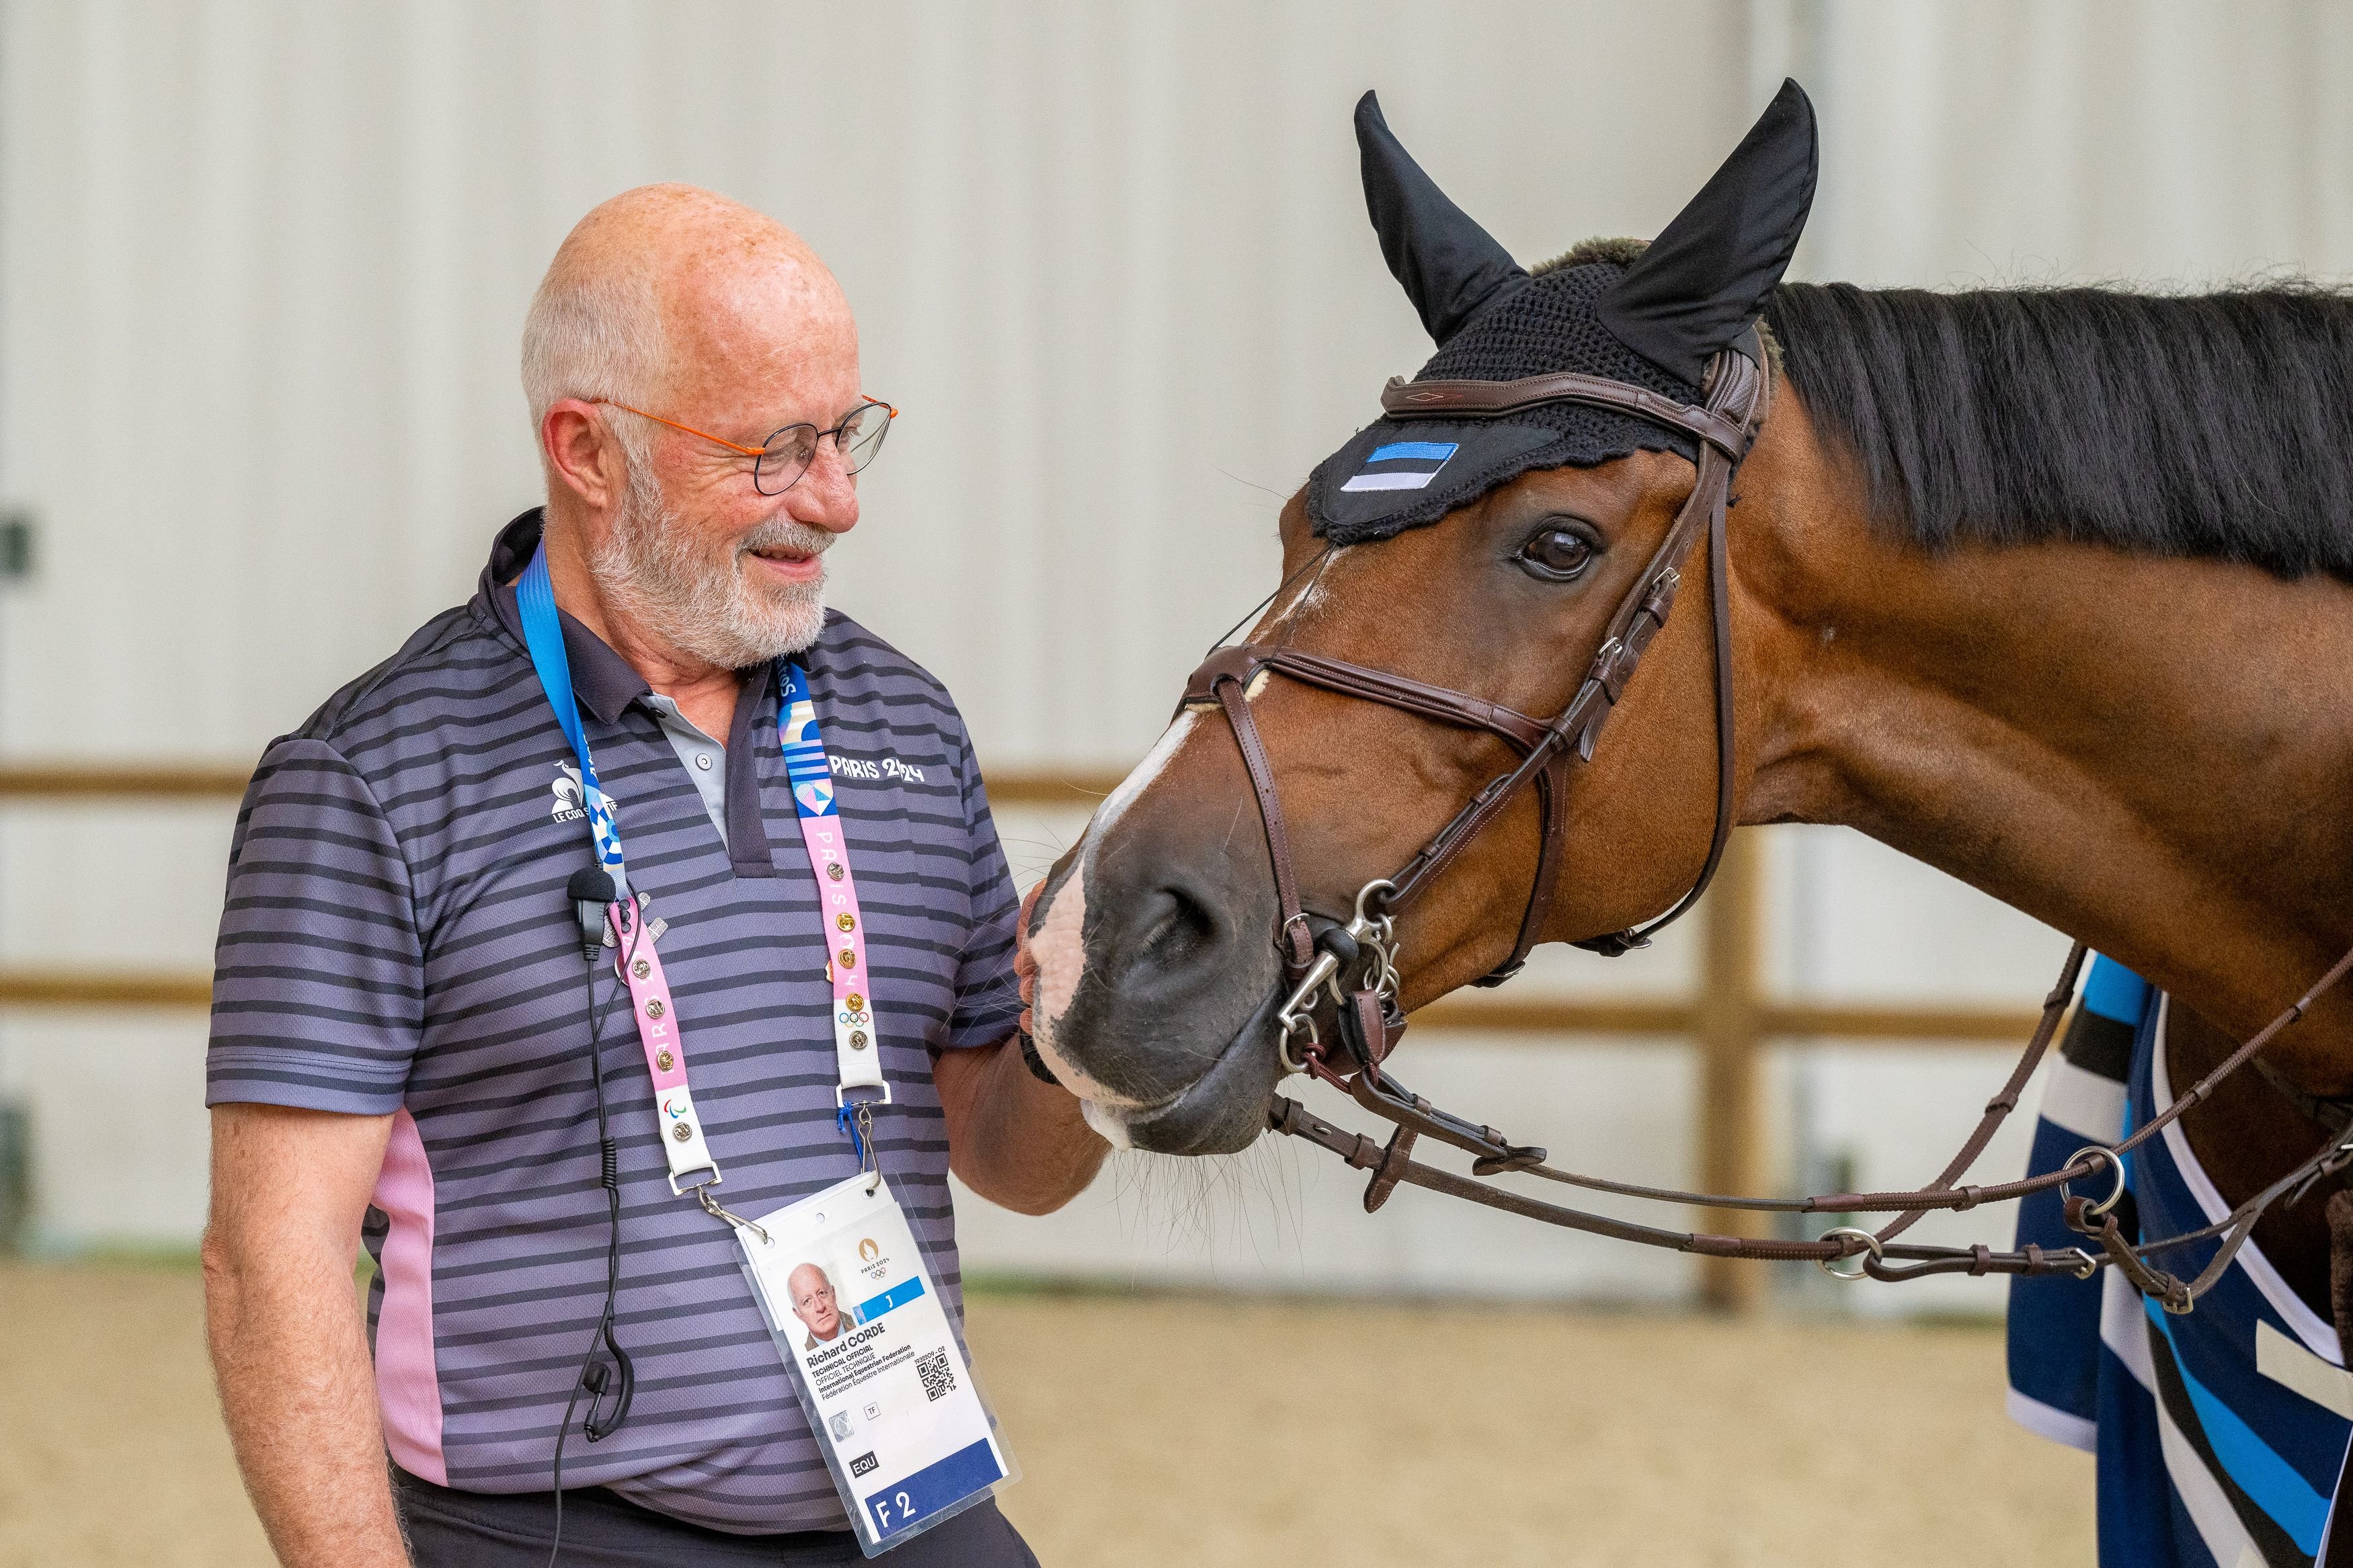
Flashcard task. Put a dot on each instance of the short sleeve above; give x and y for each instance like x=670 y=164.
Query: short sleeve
x=987 y=996
x=318 y=977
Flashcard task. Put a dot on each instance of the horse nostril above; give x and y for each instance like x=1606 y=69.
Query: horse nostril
x=1180 y=929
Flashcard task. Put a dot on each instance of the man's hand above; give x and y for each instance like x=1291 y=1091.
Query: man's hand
x=1013 y=1140
x=288 y=1340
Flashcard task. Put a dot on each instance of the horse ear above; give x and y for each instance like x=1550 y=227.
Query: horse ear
x=1704 y=279
x=1451 y=267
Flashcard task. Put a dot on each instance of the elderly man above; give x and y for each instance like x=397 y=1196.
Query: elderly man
x=402 y=1048
x=813 y=1304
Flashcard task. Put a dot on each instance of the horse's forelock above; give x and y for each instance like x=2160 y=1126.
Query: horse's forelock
x=1618 y=252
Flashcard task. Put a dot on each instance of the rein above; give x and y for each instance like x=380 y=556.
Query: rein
x=1319 y=952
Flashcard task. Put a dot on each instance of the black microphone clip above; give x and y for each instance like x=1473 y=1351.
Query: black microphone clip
x=591 y=891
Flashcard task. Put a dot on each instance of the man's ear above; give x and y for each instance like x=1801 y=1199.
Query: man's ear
x=581 y=452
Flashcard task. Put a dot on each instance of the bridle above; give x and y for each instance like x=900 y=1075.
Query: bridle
x=1355 y=963
x=1724 y=426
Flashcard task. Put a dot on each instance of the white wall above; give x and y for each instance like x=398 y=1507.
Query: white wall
x=263 y=268
x=266 y=265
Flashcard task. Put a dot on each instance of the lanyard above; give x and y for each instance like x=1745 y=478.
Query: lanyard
x=856 y=1056
x=543 y=636
x=856 y=1026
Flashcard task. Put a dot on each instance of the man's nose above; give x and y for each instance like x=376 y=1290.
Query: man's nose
x=827 y=495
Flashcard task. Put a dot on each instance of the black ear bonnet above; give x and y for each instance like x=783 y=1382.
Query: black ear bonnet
x=1653 y=321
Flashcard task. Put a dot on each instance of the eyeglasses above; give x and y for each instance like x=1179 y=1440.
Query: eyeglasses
x=780 y=461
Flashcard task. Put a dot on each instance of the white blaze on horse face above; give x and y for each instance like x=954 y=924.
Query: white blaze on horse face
x=1306 y=597
x=1155 y=761
x=1059 y=945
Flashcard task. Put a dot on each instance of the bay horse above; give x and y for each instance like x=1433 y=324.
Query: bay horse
x=2045 y=587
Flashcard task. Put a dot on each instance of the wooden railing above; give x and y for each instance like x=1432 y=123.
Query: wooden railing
x=1729 y=1015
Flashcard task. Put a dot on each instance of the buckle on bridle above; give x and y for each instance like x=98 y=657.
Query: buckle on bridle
x=1282 y=933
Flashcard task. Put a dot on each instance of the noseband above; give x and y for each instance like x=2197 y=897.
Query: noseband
x=1318 y=952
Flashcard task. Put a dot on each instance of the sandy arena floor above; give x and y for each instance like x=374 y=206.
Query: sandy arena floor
x=1206 y=1431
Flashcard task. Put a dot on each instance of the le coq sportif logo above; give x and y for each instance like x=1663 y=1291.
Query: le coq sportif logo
x=571 y=801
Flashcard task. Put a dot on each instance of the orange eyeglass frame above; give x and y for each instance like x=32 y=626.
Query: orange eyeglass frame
x=737 y=447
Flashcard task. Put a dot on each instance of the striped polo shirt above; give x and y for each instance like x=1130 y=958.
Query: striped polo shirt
x=396 y=941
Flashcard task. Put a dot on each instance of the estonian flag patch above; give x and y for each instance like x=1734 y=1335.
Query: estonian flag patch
x=1403 y=466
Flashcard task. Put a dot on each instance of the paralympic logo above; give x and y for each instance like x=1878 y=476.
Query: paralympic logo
x=676 y=1106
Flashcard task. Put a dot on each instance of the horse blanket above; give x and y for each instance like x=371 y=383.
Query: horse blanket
x=2220 y=1435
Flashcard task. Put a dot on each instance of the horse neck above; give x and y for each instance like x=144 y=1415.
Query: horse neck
x=2146 y=753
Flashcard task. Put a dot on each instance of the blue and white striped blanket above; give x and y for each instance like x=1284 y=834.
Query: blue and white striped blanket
x=2221 y=1434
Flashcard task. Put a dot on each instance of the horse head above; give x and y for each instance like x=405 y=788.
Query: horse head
x=1490 y=571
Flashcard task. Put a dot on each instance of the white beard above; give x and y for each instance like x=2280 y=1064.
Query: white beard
x=657 y=571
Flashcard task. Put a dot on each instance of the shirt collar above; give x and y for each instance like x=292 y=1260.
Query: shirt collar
x=603 y=681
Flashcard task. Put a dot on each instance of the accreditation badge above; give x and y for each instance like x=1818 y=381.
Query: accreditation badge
x=879 y=1370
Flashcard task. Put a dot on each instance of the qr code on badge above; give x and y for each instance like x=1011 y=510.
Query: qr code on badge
x=938 y=1381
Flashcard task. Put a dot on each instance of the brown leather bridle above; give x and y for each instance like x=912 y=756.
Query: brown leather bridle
x=1724 y=427
x=1319 y=951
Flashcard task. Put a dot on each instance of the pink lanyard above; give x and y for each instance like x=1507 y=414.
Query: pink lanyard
x=856 y=1026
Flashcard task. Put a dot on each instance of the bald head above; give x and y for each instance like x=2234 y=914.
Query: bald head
x=813 y=1302
x=676 y=335
x=665 y=290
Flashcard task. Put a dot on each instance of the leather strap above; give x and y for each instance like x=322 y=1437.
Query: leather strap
x=1883 y=1257
x=1380 y=685
x=1392 y=1166
x=2336 y=1114
x=1238 y=661
x=1726 y=426
x=1292 y=938
x=1486 y=399
x=1737 y=389
x=1552 y=806
x=1719 y=584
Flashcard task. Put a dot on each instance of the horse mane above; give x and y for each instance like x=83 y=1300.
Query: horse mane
x=2212 y=425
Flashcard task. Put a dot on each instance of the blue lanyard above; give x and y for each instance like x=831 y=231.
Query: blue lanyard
x=857 y=1025
x=543 y=636
x=796 y=728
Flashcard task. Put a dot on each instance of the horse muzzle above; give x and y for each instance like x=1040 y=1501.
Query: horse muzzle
x=1220 y=1113
x=1158 y=993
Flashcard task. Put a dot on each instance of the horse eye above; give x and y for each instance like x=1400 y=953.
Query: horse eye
x=1557 y=555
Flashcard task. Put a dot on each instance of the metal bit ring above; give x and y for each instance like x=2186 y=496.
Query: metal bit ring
x=2115 y=1195
x=1304 y=1023
x=1871 y=1254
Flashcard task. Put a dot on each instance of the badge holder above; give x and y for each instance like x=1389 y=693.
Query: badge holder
x=907 y=1433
